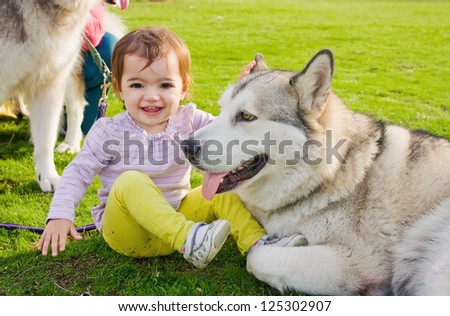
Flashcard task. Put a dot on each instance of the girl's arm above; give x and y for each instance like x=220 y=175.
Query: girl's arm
x=75 y=180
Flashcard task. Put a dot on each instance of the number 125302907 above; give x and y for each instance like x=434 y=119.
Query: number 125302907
x=295 y=306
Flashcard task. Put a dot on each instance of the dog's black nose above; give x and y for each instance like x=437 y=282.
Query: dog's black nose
x=191 y=149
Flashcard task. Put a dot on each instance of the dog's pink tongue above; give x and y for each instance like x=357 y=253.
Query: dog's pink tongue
x=122 y=4
x=211 y=182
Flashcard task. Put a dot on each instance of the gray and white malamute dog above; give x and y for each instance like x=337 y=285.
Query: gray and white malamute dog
x=40 y=45
x=373 y=200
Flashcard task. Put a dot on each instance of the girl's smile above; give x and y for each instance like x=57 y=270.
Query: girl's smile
x=152 y=110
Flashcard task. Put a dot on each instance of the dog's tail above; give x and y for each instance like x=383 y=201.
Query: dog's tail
x=113 y=24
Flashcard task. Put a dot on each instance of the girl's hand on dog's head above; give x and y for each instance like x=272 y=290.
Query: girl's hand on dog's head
x=55 y=233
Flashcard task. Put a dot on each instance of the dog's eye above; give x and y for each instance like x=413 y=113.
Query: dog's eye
x=245 y=116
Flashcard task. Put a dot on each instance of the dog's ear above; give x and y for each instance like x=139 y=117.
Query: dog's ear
x=260 y=64
x=313 y=83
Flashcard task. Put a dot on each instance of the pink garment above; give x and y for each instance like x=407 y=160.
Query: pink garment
x=94 y=29
x=115 y=145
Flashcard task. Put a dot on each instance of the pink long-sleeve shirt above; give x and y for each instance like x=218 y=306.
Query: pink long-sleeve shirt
x=115 y=145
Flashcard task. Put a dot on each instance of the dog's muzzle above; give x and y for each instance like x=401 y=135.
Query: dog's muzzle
x=191 y=149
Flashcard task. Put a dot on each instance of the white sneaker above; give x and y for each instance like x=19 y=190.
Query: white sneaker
x=288 y=241
x=200 y=253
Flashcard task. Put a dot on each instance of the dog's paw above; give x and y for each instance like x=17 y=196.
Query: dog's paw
x=255 y=258
x=300 y=241
x=67 y=148
x=48 y=184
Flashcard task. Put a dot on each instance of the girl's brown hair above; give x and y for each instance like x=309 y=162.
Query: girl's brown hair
x=151 y=43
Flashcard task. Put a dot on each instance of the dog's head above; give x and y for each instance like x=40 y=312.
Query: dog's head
x=266 y=120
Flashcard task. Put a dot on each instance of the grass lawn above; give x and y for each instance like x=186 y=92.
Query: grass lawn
x=391 y=61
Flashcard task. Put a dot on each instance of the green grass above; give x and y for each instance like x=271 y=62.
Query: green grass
x=391 y=61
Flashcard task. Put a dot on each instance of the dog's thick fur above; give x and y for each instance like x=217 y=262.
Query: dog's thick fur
x=373 y=200
x=74 y=100
x=40 y=44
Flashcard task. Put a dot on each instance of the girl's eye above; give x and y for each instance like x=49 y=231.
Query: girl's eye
x=245 y=116
x=135 y=85
x=166 y=85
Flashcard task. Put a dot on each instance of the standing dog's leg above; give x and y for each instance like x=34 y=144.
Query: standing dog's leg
x=45 y=110
x=75 y=103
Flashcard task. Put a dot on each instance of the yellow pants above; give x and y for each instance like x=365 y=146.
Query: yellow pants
x=139 y=222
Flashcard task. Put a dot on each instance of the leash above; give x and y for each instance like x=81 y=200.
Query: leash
x=39 y=230
x=102 y=66
x=107 y=75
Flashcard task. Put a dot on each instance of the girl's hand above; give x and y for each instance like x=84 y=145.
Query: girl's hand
x=246 y=71
x=56 y=233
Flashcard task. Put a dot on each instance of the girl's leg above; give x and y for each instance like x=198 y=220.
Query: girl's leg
x=93 y=79
x=139 y=222
x=244 y=228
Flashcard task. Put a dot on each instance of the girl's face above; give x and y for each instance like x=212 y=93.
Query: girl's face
x=151 y=95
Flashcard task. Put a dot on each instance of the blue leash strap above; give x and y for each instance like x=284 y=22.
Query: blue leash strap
x=39 y=230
